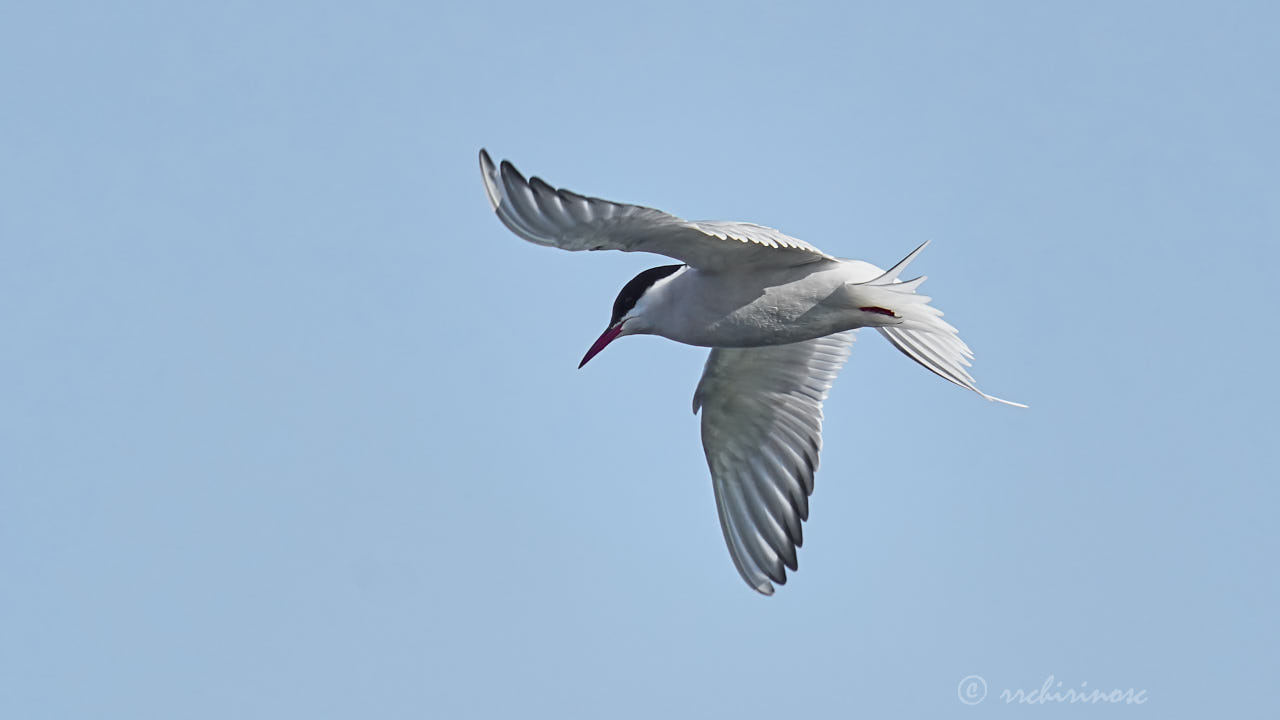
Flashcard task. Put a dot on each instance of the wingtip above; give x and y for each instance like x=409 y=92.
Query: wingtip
x=486 y=163
x=488 y=174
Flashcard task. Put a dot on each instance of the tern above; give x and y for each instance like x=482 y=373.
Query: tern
x=779 y=316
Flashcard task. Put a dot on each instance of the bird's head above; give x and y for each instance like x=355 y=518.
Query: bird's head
x=629 y=308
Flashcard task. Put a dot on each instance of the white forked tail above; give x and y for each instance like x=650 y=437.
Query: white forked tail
x=917 y=328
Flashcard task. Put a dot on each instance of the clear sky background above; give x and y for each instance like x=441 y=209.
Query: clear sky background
x=291 y=426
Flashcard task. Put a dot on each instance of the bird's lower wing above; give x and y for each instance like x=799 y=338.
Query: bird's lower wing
x=762 y=432
x=541 y=214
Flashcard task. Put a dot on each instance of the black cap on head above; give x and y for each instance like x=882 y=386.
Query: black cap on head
x=632 y=291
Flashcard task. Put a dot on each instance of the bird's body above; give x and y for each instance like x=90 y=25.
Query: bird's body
x=758 y=306
x=777 y=313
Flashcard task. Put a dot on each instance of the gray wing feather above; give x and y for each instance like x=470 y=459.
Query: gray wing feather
x=541 y=214
x=762 y=433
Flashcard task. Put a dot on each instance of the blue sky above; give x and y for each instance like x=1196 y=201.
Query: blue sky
x=292 y=425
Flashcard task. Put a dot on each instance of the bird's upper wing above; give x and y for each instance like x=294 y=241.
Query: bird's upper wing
x=761 y=431
x=544 y=215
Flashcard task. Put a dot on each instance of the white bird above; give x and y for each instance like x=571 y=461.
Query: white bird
x=777 y=313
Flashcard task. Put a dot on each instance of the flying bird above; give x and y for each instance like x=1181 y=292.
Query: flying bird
x=779 y=316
